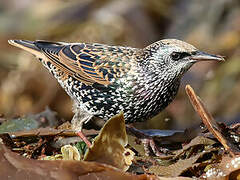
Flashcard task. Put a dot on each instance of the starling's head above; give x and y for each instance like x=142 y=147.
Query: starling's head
x=177 y=56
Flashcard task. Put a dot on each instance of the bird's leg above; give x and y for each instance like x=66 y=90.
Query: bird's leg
x=80 y=117
x=83 y=137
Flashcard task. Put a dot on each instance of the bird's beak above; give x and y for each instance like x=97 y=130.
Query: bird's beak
x=202 y=56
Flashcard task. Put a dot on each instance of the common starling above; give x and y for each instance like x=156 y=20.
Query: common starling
x=103 y=80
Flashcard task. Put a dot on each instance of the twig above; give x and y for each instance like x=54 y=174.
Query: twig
x=208 y=120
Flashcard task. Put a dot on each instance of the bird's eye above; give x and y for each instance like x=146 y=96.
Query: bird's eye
x=175 y=56
x=179 y=55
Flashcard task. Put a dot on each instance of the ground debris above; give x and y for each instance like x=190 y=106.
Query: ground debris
x=191 y=153
x=14 y=167
x=220 y=132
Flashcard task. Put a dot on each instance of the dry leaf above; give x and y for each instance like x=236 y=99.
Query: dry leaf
x=14 y=167
x=109 y=146
x=229 y=168
x=70 y=153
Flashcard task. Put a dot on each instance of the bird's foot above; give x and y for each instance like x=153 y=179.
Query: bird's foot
x=150 y=147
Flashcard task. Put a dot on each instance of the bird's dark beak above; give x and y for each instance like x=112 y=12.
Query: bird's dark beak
x=202 y=56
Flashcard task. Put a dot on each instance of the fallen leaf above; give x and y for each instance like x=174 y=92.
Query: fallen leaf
x=177 y=168
x=70 y=153
x=14 y=167
x=229 y=168
x=109 y=146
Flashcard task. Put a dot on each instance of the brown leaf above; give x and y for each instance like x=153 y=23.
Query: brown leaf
x=177 y=168
x=229 y=168
x=109 y=146
x=14 y=167
x=199 y=140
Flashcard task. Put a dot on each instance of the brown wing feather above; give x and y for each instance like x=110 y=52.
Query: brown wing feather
x=95 y=63
x=66 y=66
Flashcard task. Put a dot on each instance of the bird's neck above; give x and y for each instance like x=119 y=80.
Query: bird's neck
x=156 y=82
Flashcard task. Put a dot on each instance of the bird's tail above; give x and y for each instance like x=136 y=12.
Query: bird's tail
x=27 y=46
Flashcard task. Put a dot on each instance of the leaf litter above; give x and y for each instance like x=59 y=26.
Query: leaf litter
x=53 y=151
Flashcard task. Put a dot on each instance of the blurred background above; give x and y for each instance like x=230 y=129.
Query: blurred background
x=212 y=26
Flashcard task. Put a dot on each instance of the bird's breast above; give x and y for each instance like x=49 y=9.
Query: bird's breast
x=150 y=97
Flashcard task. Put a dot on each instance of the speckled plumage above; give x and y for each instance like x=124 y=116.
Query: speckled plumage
x=103 y=80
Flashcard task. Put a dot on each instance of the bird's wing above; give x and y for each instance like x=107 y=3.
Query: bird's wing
x=89 y=63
